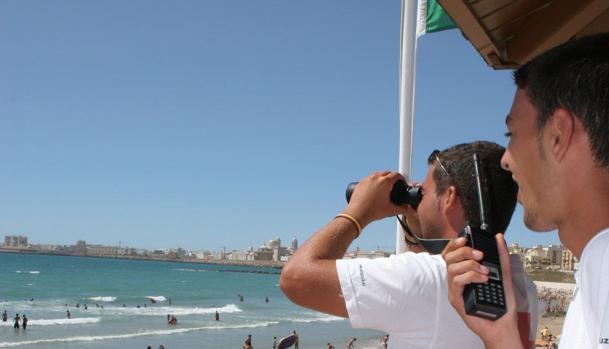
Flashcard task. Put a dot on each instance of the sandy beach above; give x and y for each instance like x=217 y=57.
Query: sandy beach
x=554 y=324
x=557 y=295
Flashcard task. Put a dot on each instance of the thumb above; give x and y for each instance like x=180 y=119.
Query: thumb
x=506 y=271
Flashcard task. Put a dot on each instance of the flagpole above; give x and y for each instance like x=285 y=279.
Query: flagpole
x=407 y=81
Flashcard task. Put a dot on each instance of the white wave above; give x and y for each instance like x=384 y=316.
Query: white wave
x=156 y=311
x=27 y=271
x=157 y=298
x=103 y=299
x=75 y=321
x=317 y=319
x=52 y=322
x=194 y=270
x=183 y=269
x=132 y=335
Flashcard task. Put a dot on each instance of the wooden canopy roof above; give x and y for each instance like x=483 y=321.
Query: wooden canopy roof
x=507 y=33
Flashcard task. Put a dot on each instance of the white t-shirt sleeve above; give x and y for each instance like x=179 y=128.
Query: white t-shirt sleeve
x=399 y=293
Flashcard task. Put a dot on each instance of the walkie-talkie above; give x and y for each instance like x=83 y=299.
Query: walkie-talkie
x=485 y=300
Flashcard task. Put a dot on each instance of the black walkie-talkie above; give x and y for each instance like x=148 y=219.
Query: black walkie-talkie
x=486 y=300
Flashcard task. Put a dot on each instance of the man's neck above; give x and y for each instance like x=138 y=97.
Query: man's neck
x=585 y=215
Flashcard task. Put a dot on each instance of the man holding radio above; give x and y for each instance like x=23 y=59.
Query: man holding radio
x=406 y=295
x=559 y=155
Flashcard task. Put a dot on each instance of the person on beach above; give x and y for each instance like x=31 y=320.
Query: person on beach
x=544 y=333
x=217 y=316
x=296 y=339
x=24 y=322
x=405 y=295
x=350 y=343
x=558 y=154
x=248 y=342
x=17 y=321
x=68 y=315
x=384 y=340
x=4 y=316
x=274 y=342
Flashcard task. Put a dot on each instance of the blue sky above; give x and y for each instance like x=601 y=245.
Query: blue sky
x=205 y=124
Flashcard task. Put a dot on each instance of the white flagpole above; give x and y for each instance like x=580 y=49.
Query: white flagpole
x=407 y=81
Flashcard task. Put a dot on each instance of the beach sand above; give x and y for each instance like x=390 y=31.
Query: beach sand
x=554 y=323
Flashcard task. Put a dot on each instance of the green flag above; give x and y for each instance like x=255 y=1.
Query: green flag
x=432 y=18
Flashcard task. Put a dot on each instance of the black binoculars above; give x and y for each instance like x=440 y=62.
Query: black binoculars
x=401 y=194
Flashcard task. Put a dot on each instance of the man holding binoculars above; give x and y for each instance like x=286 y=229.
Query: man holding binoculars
x=405 y=295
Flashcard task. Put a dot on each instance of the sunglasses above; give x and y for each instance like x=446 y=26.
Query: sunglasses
x=435 y=157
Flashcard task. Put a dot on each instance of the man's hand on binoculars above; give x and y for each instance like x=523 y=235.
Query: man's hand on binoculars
x=369 y=201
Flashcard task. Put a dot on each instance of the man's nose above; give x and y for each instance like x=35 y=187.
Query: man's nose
x=505 y=160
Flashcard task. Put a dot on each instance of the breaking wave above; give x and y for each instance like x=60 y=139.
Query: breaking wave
x=131 y=335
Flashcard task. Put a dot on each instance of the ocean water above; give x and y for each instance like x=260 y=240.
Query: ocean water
x=45 y=287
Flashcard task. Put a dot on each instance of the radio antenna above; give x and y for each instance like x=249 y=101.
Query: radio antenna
x=483 y=223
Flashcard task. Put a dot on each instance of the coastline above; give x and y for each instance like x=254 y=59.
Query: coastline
x=256 y=264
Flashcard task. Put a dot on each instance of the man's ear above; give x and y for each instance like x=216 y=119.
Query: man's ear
x=559 y=131
x=453 y=208
x=451 y=198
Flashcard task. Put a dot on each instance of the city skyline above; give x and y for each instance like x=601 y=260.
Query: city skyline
x=270 y=254
x=293 y=243
x=229 y=123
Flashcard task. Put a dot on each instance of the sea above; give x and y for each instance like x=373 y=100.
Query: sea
x=127 y=303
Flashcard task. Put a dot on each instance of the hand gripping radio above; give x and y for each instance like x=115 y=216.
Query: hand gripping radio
x=485 y=300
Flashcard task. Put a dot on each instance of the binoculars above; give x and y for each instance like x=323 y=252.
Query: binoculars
x=401 y=194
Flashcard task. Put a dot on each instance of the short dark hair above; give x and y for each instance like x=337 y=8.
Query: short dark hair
x=498 y=188
x=573 y=76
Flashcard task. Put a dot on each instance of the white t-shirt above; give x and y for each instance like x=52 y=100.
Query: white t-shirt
x=587 y=321
x=406 y=296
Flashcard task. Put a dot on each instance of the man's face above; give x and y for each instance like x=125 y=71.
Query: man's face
x=428 y=211
x=525 y=158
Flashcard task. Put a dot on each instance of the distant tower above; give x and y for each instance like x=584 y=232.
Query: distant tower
x=294 y=244
x=80 y=248
x=273 y=243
